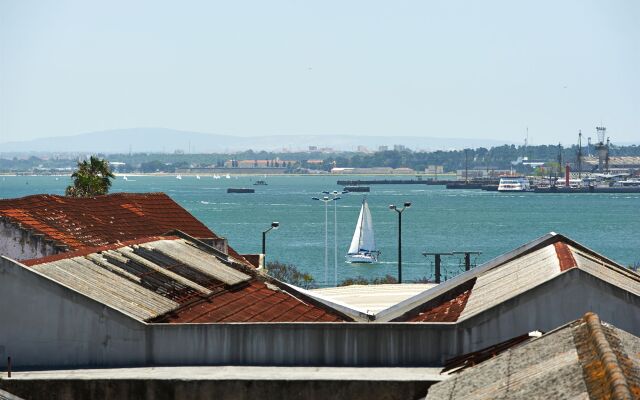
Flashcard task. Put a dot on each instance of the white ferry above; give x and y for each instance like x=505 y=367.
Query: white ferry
x=514 y=184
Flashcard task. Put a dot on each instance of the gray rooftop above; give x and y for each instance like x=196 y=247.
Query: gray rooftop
x=568 y=363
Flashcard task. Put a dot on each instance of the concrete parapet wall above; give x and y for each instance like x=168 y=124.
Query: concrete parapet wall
x=47 y=325
x=222 y=389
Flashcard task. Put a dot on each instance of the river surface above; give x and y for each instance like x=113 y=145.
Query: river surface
x=439 y=219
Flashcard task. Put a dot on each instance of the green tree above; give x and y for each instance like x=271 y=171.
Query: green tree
x=92 y=178
x=290 y=274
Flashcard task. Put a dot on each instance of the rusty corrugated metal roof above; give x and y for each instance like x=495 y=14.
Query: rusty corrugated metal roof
x=175 y=280
x=446 y=308
x=257 y=302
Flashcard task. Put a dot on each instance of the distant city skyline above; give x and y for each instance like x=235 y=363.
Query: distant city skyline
x=461 y=69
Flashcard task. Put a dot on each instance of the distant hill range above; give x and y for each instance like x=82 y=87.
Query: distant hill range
x=169 y=140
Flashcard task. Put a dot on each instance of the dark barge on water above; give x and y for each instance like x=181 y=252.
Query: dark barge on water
x=365 y=189
x=240 y=190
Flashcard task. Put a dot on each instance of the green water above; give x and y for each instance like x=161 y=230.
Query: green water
x=439 y=219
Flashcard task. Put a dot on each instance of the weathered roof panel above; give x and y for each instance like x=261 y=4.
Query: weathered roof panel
x=602 y=269
x=515 y=277
x=183 y=252
x=173 y=280
x=581 y=360
x=86 y=277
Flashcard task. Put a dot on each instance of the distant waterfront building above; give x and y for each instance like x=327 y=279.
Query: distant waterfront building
x=362 y=149
x=434 y=169
x=383 y=148
x=313 y=148
x=399 y=147
x=277 y=163
x=481 y=173
x=621 y=164
x=374 y=170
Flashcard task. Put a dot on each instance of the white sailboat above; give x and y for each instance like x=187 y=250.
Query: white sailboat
x=363 y=245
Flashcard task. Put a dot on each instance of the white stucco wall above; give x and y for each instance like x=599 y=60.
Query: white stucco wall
x=18 y=244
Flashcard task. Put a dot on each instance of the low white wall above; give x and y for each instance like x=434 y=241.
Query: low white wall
x=18 y=244
x=44 y=324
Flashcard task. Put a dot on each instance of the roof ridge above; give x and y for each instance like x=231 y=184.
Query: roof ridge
x=416 y=301
x=116 y=194
x=616 y=379
x=86 y=250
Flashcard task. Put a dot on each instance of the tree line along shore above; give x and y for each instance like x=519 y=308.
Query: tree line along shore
x=500 y=157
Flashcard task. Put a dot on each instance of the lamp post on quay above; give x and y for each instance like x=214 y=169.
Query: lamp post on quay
x=326 y=200
x=274 y=225
x=406 y=205
x=335 y=199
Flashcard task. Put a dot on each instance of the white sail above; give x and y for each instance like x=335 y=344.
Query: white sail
x=363 y=239
x=355 y=242
x=367 y=242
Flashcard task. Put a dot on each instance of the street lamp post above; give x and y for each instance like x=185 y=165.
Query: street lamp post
x=335 y=237
x=335 y=198
x=399 y=211
x=325 y=200
x=274 y=225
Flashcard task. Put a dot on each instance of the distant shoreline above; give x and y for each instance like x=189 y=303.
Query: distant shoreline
x=166 y=174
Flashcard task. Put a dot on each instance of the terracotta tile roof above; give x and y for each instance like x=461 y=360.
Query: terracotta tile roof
x=102 y=220
x=176 y=280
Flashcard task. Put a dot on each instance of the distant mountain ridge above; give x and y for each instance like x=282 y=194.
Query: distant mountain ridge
x=168 y=140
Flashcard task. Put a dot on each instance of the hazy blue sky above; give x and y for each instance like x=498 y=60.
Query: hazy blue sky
x=423 y=68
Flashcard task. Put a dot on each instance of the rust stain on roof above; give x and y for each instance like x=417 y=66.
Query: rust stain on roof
x=445 y=308
x=565 y=256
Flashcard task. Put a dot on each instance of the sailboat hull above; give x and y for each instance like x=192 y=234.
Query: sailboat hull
x=362 y=258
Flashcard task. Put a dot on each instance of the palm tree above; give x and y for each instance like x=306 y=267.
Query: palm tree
x=92 y=178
